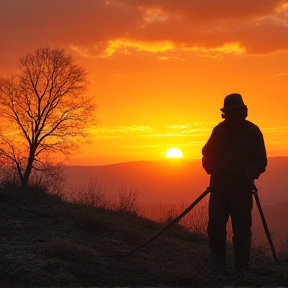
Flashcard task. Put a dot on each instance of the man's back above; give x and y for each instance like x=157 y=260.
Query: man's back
x=238 y=147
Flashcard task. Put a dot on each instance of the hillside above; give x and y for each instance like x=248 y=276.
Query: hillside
x=48 y=242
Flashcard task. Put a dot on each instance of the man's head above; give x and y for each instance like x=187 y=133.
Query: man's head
x=234 y=108
x=233 y=101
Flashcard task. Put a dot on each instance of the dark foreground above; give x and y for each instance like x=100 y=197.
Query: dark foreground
x=45 y=242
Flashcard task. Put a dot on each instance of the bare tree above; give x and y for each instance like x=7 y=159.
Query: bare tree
x=44 y=108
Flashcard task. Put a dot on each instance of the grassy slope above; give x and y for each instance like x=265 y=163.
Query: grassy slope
x=47 y=242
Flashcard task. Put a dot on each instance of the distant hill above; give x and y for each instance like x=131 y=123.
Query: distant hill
x=164 y=181
x=174 y=180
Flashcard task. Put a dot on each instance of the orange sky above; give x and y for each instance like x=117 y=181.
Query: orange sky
x=160 y=69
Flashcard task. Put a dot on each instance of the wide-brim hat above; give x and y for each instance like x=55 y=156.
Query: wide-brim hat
x=233 y=101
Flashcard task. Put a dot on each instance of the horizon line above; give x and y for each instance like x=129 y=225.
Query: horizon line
x=160 y=160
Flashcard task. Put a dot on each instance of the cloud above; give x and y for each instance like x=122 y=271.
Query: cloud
x=195 y=130
x=191 y=129
x=284 y=74
x=278 y=129
x=103 y=28
x=208 y=10
x=189 y=144
x=66 y=20
x=121 y=131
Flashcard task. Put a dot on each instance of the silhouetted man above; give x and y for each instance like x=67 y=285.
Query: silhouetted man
x=234 y=155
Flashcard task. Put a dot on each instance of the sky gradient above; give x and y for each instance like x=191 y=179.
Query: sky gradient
x=160 y=69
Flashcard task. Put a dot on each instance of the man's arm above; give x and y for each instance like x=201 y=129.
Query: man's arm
x=209 y=154
x=259 y=161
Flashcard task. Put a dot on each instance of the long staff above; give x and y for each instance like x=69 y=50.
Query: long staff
x=255 y=193
x=175 y=220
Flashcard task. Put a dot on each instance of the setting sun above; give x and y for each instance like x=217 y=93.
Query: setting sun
x=174 y=153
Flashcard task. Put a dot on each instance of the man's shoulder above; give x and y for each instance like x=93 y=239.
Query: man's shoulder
x=219 y=125
x=248 y=124
x=251 y=125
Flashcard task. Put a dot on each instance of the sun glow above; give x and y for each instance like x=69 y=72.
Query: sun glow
x=174 y=153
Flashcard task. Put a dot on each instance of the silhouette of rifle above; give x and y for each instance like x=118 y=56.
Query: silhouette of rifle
x=255 y=193
x=175 y=220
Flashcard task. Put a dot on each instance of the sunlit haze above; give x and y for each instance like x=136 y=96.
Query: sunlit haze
x=159 y=70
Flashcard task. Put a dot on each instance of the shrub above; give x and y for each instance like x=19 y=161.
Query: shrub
x=93 y=194
x=127 y=200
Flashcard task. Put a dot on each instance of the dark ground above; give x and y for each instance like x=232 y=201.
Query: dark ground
x=45 y=242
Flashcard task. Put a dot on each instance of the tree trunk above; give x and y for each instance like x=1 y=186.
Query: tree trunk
x=28 y=170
